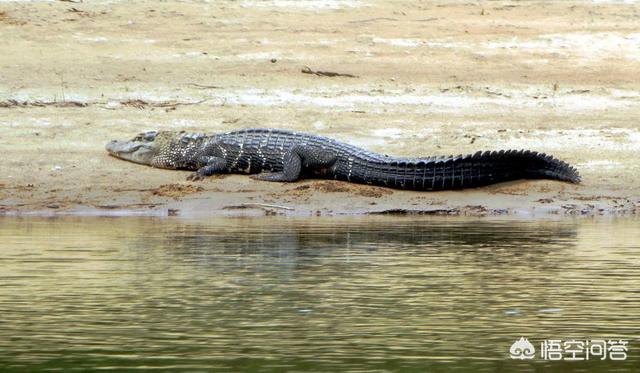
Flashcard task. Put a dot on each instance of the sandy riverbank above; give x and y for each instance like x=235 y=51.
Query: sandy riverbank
x=437 y=78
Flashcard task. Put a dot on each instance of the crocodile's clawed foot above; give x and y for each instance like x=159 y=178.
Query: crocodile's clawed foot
x=195 y=176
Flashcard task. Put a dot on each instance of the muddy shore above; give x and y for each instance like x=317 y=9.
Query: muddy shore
x=436 y=78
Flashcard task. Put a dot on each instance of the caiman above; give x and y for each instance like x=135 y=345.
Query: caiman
x=286 y=156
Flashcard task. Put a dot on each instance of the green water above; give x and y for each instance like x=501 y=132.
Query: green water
x=322 y=295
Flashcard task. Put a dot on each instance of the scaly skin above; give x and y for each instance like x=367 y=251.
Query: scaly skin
x=288 y=156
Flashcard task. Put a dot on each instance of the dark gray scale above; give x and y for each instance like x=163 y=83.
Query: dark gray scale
x=444 y=173
x=450 y=172
x=399 y=173
x=358 y=167
x=465 y=174
x=455 y=173
x=262 y=147
x=421 y=174
x=273 y=152
x=388 y=173
x=410 y=175
x=238 y=153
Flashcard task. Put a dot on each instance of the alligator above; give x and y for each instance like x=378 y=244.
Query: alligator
x=286 y=156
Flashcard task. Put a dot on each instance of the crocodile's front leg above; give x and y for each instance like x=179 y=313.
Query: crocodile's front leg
x=211 y=166
x=297 y=158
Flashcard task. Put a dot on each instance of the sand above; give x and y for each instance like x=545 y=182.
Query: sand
x=559 y=77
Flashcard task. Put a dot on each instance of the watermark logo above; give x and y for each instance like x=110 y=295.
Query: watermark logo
x=522 y=349
x=571 y=349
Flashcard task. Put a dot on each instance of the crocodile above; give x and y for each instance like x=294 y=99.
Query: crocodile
x=286 y=156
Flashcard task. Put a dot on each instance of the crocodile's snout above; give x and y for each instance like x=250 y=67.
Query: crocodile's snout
x=119 y=147
x=114 y=146
x=109 y=146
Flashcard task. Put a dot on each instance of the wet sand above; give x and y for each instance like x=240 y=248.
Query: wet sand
x=437 y=78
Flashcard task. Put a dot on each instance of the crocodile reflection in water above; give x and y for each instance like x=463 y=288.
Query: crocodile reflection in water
x=484 y=242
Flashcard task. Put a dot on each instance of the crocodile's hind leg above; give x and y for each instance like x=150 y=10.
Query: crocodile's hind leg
x=211 y=166
x=299 y=157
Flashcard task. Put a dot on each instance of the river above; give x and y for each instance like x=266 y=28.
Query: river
x=315 y=294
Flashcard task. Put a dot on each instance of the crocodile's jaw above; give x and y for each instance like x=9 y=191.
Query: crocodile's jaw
x=133 y=151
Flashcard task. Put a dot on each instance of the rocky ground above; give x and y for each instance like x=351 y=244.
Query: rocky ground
x=427 y=78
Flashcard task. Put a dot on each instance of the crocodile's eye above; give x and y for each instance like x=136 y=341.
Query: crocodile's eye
x=150 y=136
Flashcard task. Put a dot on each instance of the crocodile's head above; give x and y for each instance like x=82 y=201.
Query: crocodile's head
x=141 y=149
x=157 y=149
x=164 y=149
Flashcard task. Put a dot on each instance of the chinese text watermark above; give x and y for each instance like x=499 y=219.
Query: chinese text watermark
x=571 y=349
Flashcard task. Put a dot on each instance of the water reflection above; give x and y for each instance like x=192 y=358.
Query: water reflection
x=315 y=294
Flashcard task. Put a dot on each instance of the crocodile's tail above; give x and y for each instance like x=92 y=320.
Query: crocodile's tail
x=473 y=170
x=544 y=166
x=525 y=164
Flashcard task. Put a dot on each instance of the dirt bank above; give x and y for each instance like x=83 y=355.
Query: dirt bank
x=436 y=78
